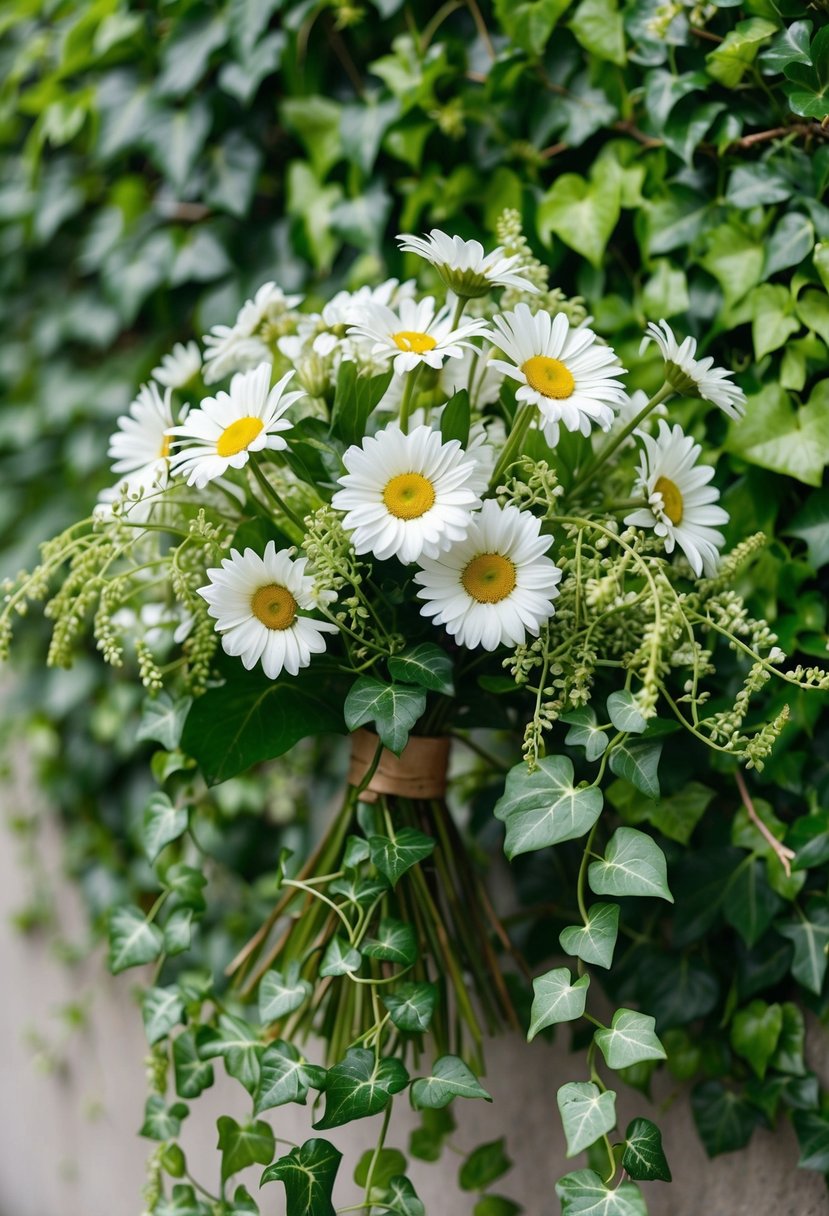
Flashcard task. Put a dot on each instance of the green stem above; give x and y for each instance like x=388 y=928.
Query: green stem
x=583 y=873
x=408 y=397
x=375 y=1157
x=592 y=467
x=521 y=424
x=273 y=494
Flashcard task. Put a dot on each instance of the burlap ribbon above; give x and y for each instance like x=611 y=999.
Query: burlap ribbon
x=419 y=772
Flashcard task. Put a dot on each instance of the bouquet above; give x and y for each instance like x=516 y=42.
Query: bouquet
x=428 y=518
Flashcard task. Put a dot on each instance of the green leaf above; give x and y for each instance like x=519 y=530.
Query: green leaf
x=412 y=1005
x=638 y=763
x=792 y=240
x=808 y=84
x=355 y=398
x=788 y=1055
x=529 y=24
x=251 y=718
x=401 y=1198
x=308 y=1174
x=585 y=732
x=280 y=993
x=584 y=1194
x=749 y=903
x=809 y=934
x=777 y=435
x=586 y=1114
x=316 y=120
x=162 y=1122
x=582 y=214
x=285 y=1076
x=243 y=1144
x=496 y=1205
x=544 y=807
x=598 y=26
x=677 y=816
x=178 y=930
x=182 y=1202
x=132 y=940
x=425 y=665
x=394 y=708
x=755 y=1032
x=633 y=864
x=161 y=1009
x=389 y=1162
x=725 y=1120
x=454 y=418
x=359 y=1086
x=340 y=958
x=738 y=50
x=643 y=1156
x=426 y=1142
x=791 y=45
x=773 y=319
x=161 y=823
x=394 y=942
x=811 y=525
x=631 y=1038
x=624 y=712
x=484 y=1165
x=594 y=942
x=812 y=1130
x=450 y=1078
x=394 y=857
x=193 y=1075
x=163 y=719
x=556 y=999
x=735 y=260
x=236 y=1041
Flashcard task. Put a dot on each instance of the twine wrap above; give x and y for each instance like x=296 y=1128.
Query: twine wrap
x=419 y=772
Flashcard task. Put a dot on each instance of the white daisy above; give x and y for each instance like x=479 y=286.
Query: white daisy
x=485 y=440
x=560 y=369
x=694 y=377
x=496 y=585
x=258 y=605
x=225 y=429
x=463 y=265
x=680 y=501
x=249 y=340
x=406 y=495
x=179 y=367
x=416 y=333
x=140 y=449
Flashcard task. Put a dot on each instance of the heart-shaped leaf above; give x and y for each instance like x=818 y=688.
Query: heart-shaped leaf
x=412 y=1005
x=595 y=941
x=586 y=1114
x=633 y=864
x=544 y=807
x=393 y=708
x=643 y=1156
x=394 y=942
x=359 y=1086
x=450 y=1078
x=629 y=1040
x=308 y=1174
x=556 y=999
x=340 y=958
x=425 y=665
x=393 y=856
x=280 y=993
x=285 y=1077
x=243 y=1144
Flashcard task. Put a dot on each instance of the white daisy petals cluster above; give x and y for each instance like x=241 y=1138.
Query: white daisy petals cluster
x=251 y=338
x=694 y=377
x=464 y=267
x=418 y=333
x=140 y=450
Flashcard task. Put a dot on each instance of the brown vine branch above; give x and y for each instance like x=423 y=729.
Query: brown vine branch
x=784 y=855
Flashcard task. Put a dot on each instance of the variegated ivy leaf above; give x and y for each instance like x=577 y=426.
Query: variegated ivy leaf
x=583 y=1193
x=359 y=1086
x=308 y=1174
x=633 y=864
x=556 y=999
x=394 y=942
x=586 y=1114
x=594 y=942
x=393 y=856
x=280 y=993
x=629 y=1040
x=412 y=1005
x=544 y=807
x=340 y=958
x=285 y=1076
x=585 y=732
x=643 y=1156
x=624 y=712
x=450 y=1078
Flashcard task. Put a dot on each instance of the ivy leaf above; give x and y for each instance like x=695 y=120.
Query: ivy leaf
x=790 y=46
x=401 y=1198
x=425 y=665
x=178 y=930
x=529 y=23
x=484 y=1165
x=725 y=1119
x=251 y=718
x=809 y=934
x=594 y=942
x=788 y=1055
x=678 y=815
x=161 y=1010
x=586 y=1114
x=393 y=708
x=359 y=1086
x=583 y=1193
x=412 y=1005
x=738 y=50
x=162 y=1122
x=811 y=525
x=393 y=857
x=631 y=1038
x=239 y=1046
x=633 y=864
x=389 y=1163
x=308 y=1174
x=585 y=732
x=496 y=1205
x=643 y=1156
x=624 y=712
x=162 y=720
x=182 y=1202
x=777 y=435
x=638 y=763
x=544 y=807
x=280 y=993
x=749 y=904
x=792 y=240
x=284 y=1077
x=340 y=958
x=395 y=942
x=193 y=1074
x=755 y=1033
x=808 y=84
x=598 y=26
x=132 y=940
x=450 y=1078
x=161 y=823
x=556 y=999
x=812 y=1129
x=583 y=214
x=243 y=1144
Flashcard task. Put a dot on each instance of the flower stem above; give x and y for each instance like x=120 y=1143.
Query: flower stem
x=512 y=448
x=616 y=441
x=271 y=492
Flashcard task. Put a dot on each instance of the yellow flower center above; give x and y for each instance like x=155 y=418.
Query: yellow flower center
x=489 y=578
x=239 y=435
x=274 y=606
x=671 y=499
x=409 y=495
x=549 y=377
x=411 y=340
x=165 y=447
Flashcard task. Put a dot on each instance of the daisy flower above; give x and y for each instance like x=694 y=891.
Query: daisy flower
x=179 y=367
x=496 y=585
x=140 y=449
x=680 y=501
x=562 y=370
x=693 y=377
x=407 y=495
x=416 y=333
x=225 y=429
x=463 y=265
x=249 y=341
x=258 y=602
